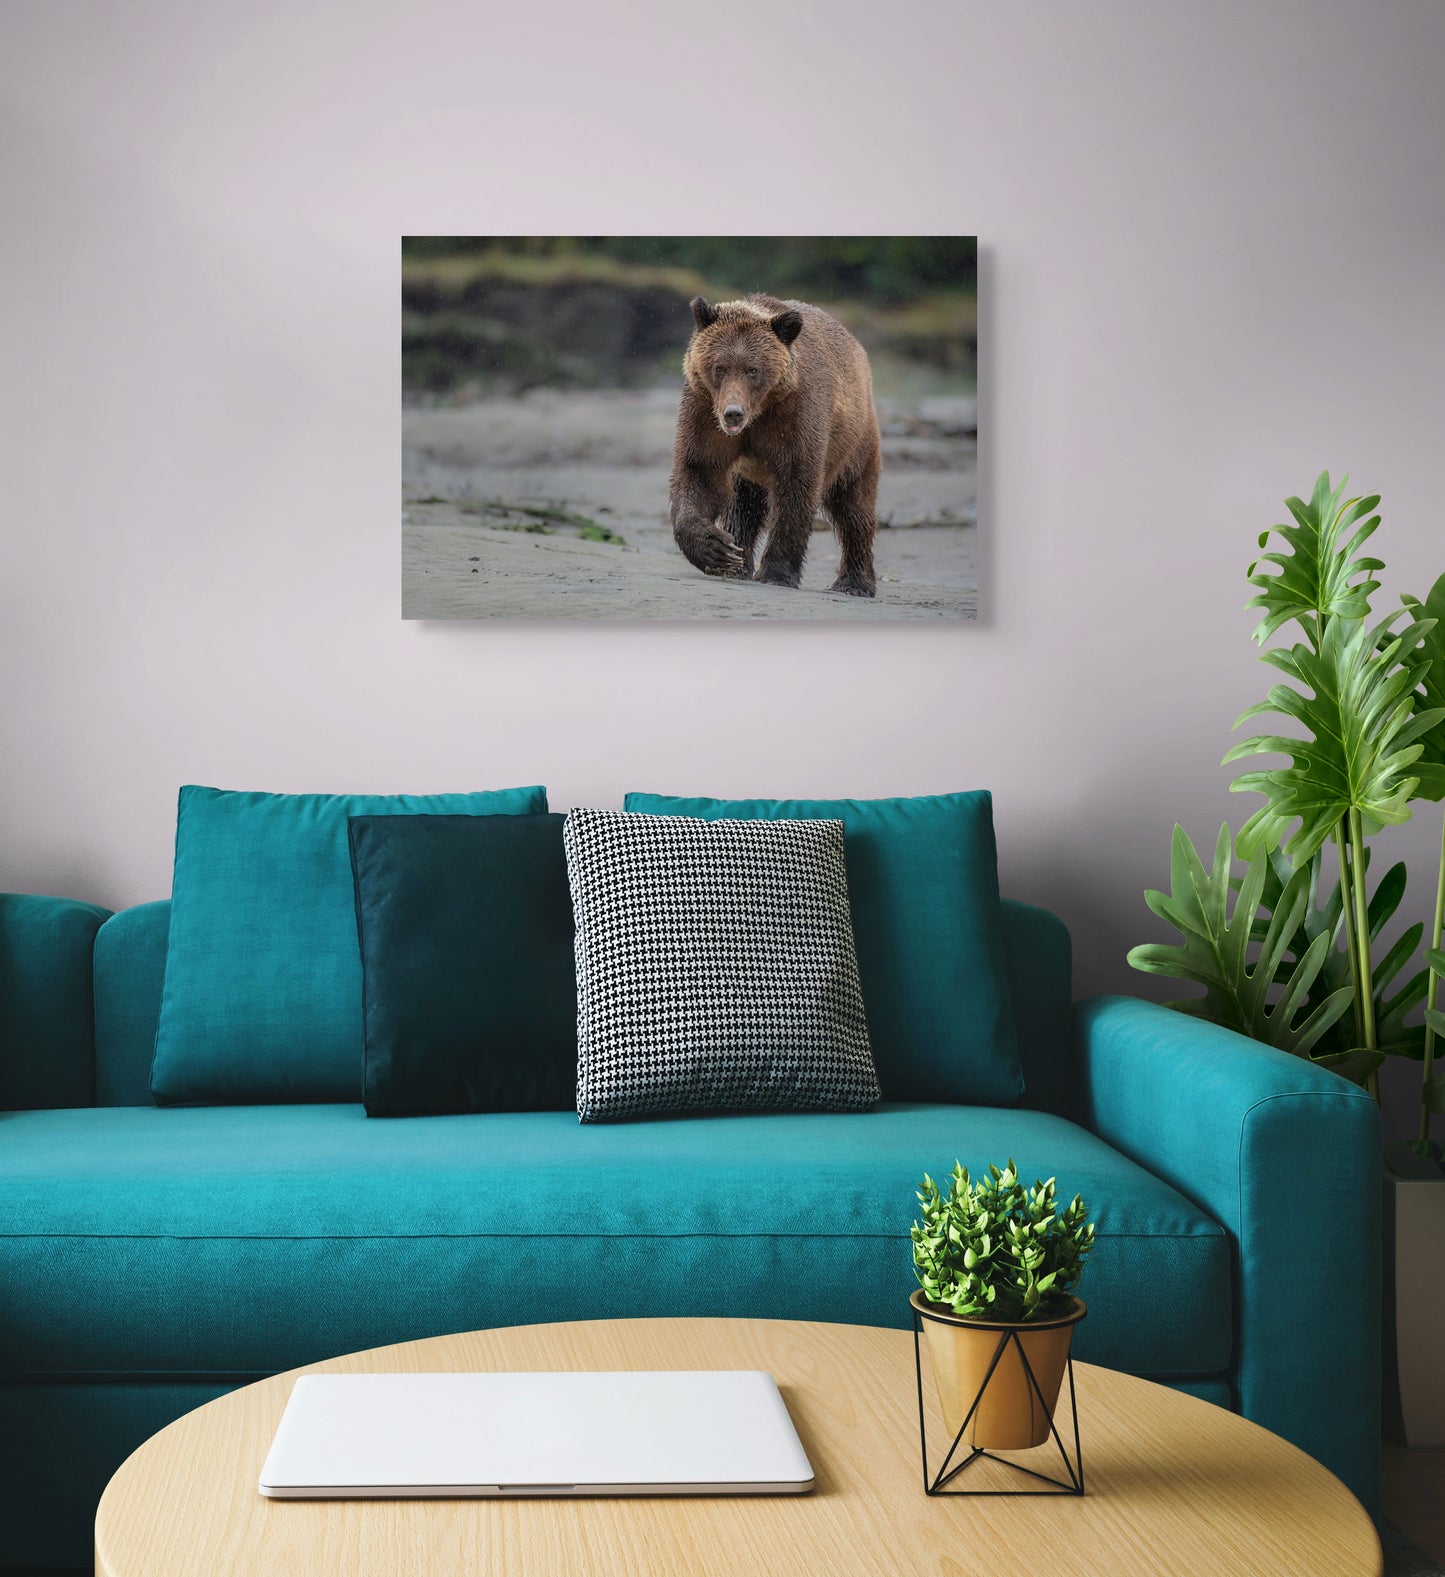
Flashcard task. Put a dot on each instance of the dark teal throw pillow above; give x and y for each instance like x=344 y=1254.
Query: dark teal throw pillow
x=469 y=984
x=927 y=924
x=262 y=998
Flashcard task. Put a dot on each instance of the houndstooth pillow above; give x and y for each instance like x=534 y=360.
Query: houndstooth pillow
x=715 y=966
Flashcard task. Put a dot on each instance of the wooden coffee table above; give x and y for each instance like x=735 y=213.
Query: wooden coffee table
x=1174 y=1484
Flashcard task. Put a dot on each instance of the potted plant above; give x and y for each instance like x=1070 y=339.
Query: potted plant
x=995 y=1259
x=1293 y=958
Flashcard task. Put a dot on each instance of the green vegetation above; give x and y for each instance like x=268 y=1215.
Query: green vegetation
x=541 y=520
x=997 y=1250
x=450 y=273
x=883 y=268
x=485 y=314
x=1292 y=965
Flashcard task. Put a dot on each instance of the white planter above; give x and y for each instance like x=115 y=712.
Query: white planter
x=1414 y=1297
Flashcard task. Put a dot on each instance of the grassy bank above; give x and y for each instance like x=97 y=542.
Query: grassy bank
x=496 y=320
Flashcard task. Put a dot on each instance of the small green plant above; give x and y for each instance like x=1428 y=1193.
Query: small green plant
x=995 y=1250
x=540 y=520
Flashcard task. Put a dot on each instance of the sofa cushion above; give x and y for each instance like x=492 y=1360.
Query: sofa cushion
x=923 y=886
x=262 y=997
x=715 y=967
x=466 y=953
x=47 y=1017
x=130 y=974
x=225 y=1240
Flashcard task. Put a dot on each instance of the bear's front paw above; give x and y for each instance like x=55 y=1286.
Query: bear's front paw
x=713 y=552
x=855 y=586
x=728 y=563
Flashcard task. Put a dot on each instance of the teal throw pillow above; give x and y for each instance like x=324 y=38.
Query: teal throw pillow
x=262 y=998
x=927 y=923
x=469 y=983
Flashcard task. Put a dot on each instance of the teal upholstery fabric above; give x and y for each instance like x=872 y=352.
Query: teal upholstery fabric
x=262 y=997
x=130 y=975
x=1039 y=959
x=59 y=1445
x=1218 y=1392
x=1287 y=1157
x=130 y=963
x=130 y=972
x=211 y=1240
x=469 y=983
x=47 y=1053
x=923 y=889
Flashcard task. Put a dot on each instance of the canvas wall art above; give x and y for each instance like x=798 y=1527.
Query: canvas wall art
x=705 y=427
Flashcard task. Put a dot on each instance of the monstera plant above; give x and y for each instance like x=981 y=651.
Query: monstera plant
x=1286 y=952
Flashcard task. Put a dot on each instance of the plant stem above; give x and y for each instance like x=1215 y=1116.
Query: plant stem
x=1347 y=919
x=1365 y=984
x=1432 y=994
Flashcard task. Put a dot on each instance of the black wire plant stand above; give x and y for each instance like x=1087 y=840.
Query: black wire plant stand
x=949 y=1471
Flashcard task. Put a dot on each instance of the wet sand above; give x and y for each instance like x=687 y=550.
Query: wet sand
x=500 y=496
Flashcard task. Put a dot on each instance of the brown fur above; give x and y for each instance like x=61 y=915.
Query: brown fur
x=776 y=423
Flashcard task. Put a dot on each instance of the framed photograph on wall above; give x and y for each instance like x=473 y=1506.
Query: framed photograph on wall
x=675 y=427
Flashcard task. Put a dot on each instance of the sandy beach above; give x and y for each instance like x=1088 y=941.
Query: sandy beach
x=554 y=505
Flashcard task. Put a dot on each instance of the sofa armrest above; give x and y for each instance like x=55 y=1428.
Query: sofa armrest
x=1286 y=1156
x=47 y=1004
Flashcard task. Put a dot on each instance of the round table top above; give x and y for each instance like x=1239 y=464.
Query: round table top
x=1174 y=1485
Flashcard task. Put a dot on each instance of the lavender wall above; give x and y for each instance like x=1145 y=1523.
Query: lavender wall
x=1213 y=264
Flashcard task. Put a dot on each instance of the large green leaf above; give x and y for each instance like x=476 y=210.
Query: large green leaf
x=1430 y=768
x=1323 y=915
x=1355 y=700
x=1356 y=1064
x=1263 y=997
x=1432 y=1094
x=1323 y=912
x=1435 y=959
x=1392 y=1034
x=1318 y=578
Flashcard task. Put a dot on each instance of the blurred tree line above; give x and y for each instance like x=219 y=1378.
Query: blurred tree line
x=884 y=268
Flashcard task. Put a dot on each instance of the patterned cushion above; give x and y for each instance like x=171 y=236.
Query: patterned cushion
x=715 y=967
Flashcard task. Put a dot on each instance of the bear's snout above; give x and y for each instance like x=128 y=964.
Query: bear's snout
x=734 y=417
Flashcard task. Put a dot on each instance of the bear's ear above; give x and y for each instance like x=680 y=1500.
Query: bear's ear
x=788 y=326
x=703 y=314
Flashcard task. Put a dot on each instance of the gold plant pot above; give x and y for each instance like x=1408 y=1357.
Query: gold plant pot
x=1011 y=1415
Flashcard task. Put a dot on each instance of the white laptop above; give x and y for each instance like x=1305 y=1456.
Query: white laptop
x=673 y=1432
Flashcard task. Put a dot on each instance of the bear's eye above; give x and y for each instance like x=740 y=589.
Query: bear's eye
x=753 y=373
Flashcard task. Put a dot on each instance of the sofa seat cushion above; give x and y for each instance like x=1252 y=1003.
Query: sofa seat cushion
x=238 y=1240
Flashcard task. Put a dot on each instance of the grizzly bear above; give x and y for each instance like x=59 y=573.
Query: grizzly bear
x=776 y=423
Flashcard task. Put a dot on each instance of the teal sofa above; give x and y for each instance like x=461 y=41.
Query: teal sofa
x=151 y=1259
